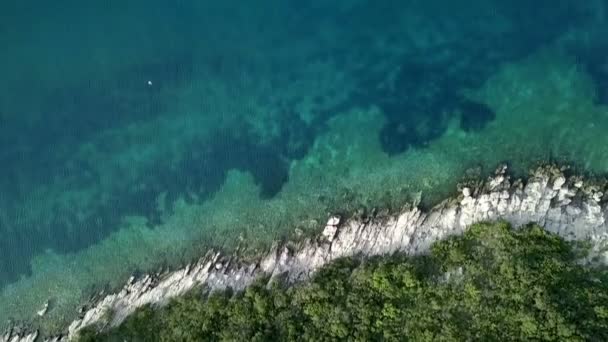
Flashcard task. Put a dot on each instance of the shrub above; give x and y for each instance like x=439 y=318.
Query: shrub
x=492 y=283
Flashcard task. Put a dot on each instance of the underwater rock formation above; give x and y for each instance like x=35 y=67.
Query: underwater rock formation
x=564 y=205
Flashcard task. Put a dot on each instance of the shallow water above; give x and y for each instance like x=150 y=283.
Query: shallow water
x=135 y=135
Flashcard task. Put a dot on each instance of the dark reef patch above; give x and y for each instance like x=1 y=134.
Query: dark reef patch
x=421 y=90
x=599 y=73
x=593 y=59
x=422 y=96
x=474 y=115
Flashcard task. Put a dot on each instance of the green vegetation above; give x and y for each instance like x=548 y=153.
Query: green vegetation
x=492 y=283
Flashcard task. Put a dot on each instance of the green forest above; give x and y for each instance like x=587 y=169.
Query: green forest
x=492 y=283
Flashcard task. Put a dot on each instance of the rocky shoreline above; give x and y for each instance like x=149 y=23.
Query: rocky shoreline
x=569 y=206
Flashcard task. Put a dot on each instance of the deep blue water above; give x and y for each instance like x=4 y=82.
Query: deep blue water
x=106 y=108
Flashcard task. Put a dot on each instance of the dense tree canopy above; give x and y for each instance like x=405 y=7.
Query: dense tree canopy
x=492 y=283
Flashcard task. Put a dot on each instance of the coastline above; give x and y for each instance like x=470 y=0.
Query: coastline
x=569 y=206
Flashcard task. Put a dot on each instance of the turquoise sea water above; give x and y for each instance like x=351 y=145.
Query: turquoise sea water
x=136 y=134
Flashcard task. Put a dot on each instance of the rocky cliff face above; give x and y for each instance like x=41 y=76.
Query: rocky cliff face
x=566 y=206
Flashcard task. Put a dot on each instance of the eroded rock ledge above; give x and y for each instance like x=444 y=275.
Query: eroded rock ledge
x=563 y=205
